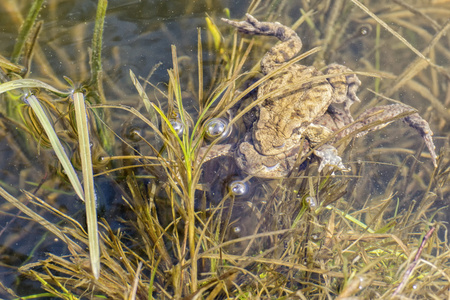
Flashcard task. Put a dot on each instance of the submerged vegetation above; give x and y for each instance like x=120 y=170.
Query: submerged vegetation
x=173 y=226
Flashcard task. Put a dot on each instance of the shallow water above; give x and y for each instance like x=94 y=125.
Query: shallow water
x=137 y=36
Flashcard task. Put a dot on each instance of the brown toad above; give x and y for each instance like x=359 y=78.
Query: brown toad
x=300 y=110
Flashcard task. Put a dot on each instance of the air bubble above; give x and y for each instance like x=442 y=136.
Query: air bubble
x=217 y=128
x=365 y=29
x=177 y=126
x=311 y=201
x=238 y=188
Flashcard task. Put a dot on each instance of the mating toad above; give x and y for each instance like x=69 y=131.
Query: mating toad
x=302 y=112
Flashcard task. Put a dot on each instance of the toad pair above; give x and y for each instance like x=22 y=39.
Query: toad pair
x=303 y=112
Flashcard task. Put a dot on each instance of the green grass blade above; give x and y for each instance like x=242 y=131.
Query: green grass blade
x=10 y=66
x=96 y=81
x=96 y=63
x=145 y=99
x=88 y=179
x=56 y=144
x=38 y=218
x=30 y=83
x=169 y=125
x=26 y=29
x=351 y=218
x=175 y=80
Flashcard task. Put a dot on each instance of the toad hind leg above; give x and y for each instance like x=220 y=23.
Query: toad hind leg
x=283 y=52
x=386 y=114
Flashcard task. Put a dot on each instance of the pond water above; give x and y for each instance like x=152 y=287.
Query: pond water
x=138 y=36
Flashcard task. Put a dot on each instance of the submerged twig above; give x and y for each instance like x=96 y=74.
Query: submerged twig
x=414 y=262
